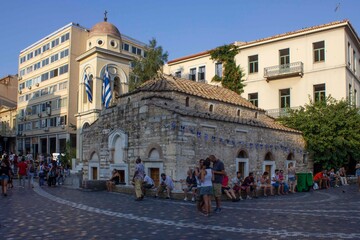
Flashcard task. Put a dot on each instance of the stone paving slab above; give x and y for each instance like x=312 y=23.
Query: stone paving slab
x=61 y=213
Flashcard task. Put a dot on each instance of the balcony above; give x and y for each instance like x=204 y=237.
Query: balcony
x=279 y=112
x=282 y=71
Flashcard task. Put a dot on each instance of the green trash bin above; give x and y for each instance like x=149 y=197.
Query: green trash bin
x=304 y=182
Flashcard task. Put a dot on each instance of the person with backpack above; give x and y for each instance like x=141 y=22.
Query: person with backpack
x=31 y=173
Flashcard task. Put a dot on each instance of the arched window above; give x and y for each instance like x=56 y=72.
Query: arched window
x=242 y=154
x=268 y=157
x=211 y=108
x=154 y=154
x=290 y=156
x=187 y=101
x=238 y=113
x=117 y=86
x=91 y=82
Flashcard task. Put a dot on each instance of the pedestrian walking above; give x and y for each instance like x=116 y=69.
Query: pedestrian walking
x=31 y=173
x=138 y=179
x=219 y=172
x=5 y=173
x=22 y=170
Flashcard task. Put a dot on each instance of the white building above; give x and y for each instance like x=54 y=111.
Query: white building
x=287 y=70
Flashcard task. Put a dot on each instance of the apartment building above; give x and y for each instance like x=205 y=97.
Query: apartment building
x=8 y=95
x=290 y=69
x=51 y=85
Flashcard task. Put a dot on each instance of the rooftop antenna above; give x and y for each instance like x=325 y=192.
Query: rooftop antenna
x=337 y=7
x=105 y=17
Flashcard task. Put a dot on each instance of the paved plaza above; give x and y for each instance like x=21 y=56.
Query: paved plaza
x=63 y=213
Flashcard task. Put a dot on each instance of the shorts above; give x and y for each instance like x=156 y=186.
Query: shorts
x=206 y=190
x=217 y=189
x=4 y=177
x=275 y=185
x=292 y=179
x=224 y=188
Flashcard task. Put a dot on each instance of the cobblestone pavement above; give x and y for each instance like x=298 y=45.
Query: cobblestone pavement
x=62 y=213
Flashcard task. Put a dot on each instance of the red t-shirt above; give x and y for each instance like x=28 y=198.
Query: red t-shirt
x=318 y=176
x=22 y=168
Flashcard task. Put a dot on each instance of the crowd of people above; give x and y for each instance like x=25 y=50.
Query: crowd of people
x=26 y=170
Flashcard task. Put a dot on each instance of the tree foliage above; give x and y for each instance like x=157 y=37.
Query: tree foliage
x=233 y=75
x=149 y=66
x=331 y=130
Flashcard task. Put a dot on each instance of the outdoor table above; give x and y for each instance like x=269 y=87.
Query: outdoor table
x=304 y=181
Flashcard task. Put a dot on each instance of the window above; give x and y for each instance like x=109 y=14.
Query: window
x=62 y=85
x=354 y=61
x=64 y=53
x=21 y=86
x=319 y=51
x=43 y=107
x=64 y=69
x=45 y=62
x=126 y=47
x=62 y=102
x=22 y=72
x=37 y=51
x=28 y=83
x=43 y=123
x=52 y=89
x=44 y=77
x=350 y=93
x=178 y=74
x=319 y=92
x=201 y=74
x=44 y=91
x=253 y=98
x=218 y=69
x=54 y=58
x=284 y=55
x=46 y=47
x=21 y=98
x=133 y=50
x=138 y=51
x=54 y=43
x=348 y=54
x=62 y=120
x=29 y=69
x=22 y=59
x=54 y=73
x=285 y=98
x=211 y=108
x=34 y=109
x=355 y=97
x=52 y=122
x=238 y=113
x=36 y=124
x=253 y=64
x=192 y=75
x=37 y=65
x=36 y=94
x=27 y=97
x=187 y=101
x=65 y=37
x=29 y=56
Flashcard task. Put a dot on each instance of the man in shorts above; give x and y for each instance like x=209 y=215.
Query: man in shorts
x=219 y=172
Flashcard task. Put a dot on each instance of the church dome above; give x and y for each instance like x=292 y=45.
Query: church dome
x=104 y=28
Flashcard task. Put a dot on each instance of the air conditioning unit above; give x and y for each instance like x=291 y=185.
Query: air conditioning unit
x=46 y=129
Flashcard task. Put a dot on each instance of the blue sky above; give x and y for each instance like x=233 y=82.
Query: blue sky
x=180 y=27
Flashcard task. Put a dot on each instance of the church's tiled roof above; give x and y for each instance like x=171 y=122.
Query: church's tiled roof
x=264 y=122
x=202 y=90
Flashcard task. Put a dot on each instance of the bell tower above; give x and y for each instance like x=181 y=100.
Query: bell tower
x=103 y=55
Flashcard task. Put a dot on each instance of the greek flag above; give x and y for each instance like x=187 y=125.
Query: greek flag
x=106 y=89
x=87 y=87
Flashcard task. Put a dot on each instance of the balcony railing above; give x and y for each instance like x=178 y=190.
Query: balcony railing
x=279 y=112
x=286 y=70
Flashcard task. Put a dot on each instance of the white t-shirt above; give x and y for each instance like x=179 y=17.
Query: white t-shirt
x=148 y=180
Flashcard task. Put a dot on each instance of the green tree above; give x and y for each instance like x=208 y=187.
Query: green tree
x=233 y=75
x=331 y=130
x=149 y=66
x=68 y=153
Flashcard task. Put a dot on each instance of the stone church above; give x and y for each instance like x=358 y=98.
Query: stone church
x=171 y=123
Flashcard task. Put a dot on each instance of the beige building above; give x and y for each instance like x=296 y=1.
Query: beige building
x=287 y=70
x=51 y=77
x=8 y=94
